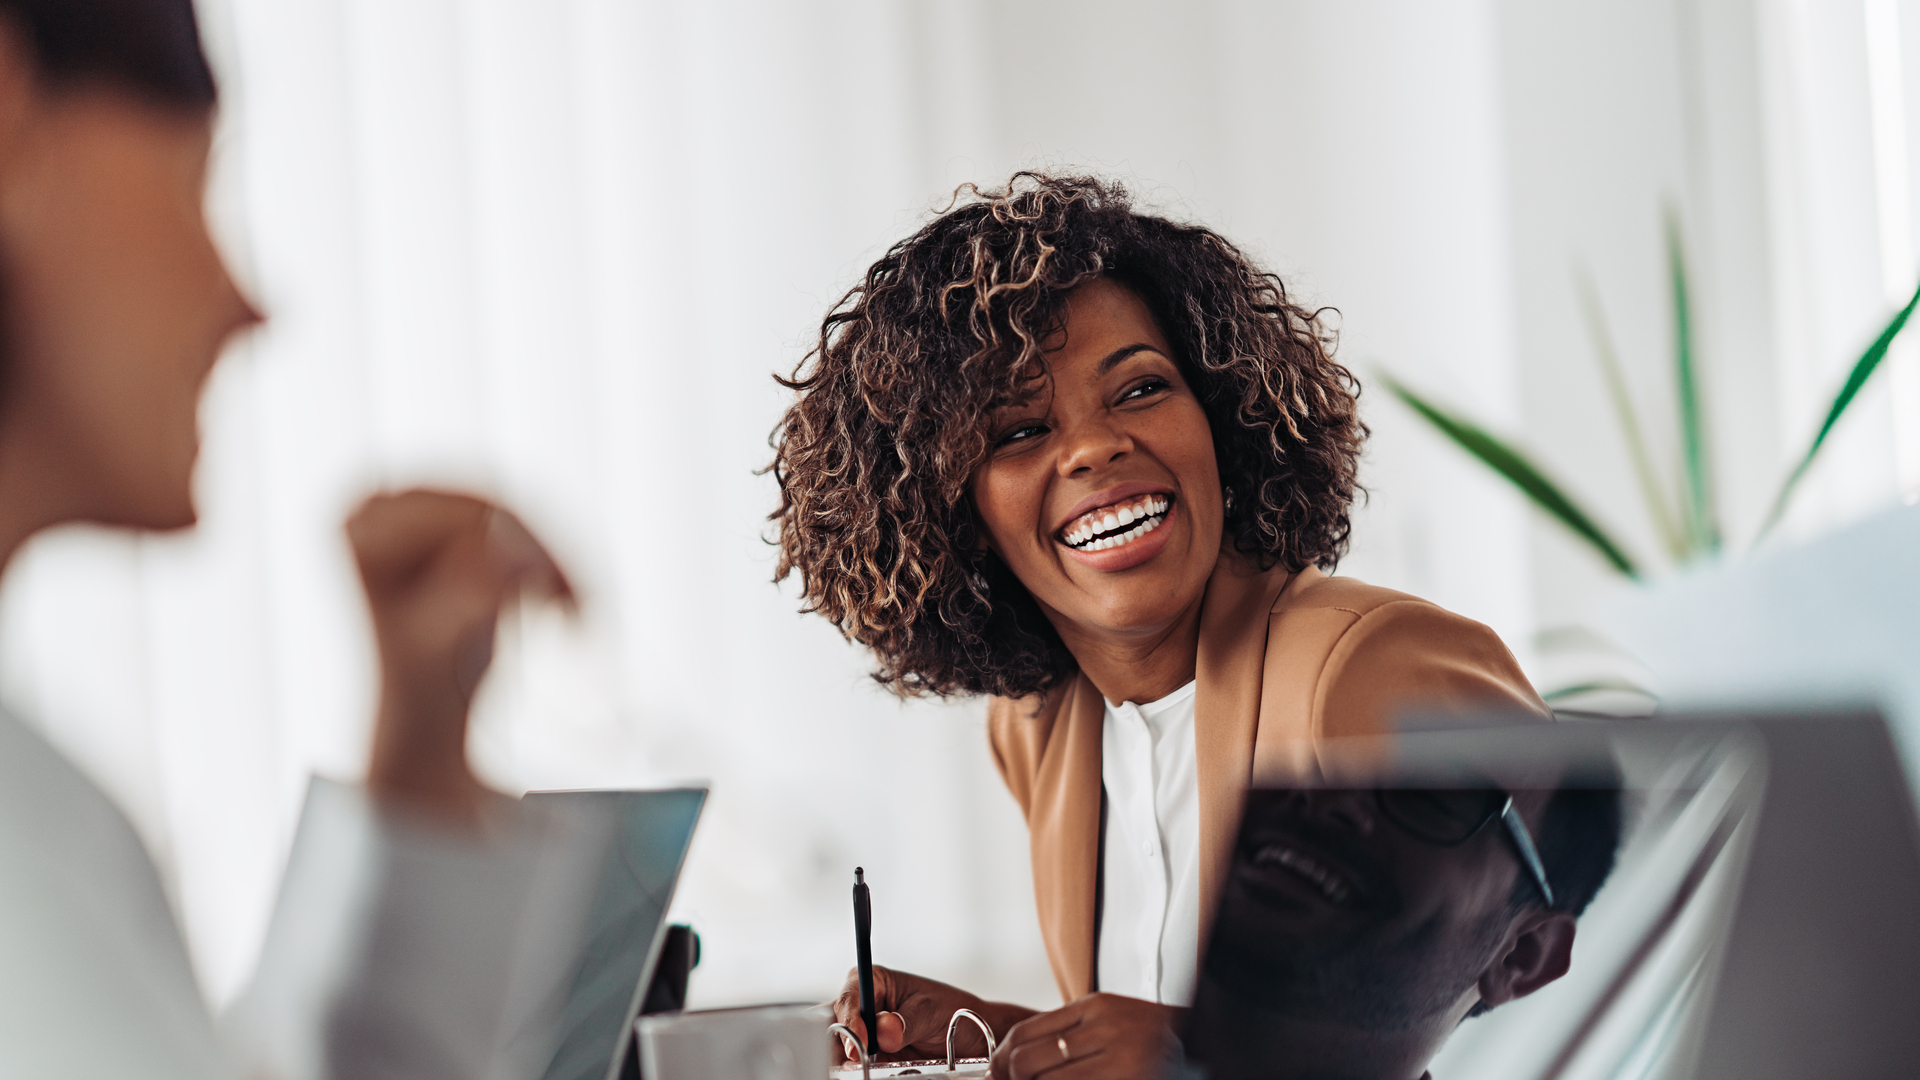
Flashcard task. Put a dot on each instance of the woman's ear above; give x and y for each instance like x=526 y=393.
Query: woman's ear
x=1538 y=950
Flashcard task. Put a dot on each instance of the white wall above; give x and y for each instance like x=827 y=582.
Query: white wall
x=553 y=251
x=1757 y=123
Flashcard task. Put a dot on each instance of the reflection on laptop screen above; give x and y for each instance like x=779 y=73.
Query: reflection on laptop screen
x=622 y=939
x=1515 y=903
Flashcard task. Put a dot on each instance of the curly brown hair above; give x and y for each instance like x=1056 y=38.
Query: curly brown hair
x=875 y=456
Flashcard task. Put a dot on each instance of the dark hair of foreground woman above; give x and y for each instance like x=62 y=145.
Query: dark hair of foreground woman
x=149 y=48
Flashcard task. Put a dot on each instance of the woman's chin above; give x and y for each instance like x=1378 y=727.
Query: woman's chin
x=163 y=504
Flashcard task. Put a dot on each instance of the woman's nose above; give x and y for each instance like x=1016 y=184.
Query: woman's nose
x=1092 y=445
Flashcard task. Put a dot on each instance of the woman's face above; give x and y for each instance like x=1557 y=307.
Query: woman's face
x=1101 y=492
x=117 y=303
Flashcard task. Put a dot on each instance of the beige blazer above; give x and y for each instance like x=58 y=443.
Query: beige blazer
x=1284 y=659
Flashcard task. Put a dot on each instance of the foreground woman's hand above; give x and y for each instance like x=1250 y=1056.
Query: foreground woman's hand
x=1097 y=1037
x=913 y=1015
x=438 y=568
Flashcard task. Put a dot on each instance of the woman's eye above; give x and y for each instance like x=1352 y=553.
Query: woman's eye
x=1020 y=433
x=1145 y=389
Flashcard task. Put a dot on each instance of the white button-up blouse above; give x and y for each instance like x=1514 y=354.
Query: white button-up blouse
x=1150 y=889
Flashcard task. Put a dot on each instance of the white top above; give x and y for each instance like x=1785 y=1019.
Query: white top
x=1150 y=899
x=395 y=951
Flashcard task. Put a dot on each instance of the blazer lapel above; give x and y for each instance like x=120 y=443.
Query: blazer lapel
x=1232 y=657
x=1066 y=828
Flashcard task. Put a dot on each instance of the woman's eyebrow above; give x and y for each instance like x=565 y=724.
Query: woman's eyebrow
x=1113 y=358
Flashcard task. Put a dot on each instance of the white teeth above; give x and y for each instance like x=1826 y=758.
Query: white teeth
x=1145 y=516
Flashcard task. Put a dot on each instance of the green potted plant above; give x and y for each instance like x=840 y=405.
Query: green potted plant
x=1688 y=522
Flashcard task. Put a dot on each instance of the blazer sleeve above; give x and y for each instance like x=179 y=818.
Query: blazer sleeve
x=1410 y=657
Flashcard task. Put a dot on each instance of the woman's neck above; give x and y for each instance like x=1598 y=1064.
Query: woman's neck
x=1137 y=666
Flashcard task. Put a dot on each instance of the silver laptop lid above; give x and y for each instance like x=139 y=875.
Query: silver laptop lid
x=647 y=843
x=1754 y=915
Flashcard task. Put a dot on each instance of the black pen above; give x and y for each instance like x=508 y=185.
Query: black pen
x=863 y=945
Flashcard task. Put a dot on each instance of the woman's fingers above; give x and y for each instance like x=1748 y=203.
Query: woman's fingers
x=1047 y=1025
x=846 y=1010
x=1131 y=1040
x=438 y=567
x=1036 y=1059
x=913 y=1013
x=404 y=542
x=524 y=565
x=391 y=531
x=1033 y=1046
x=848 y=1049
x=893 y=1032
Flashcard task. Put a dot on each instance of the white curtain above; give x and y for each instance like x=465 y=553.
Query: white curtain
x=1841 y=93
x=554 y=250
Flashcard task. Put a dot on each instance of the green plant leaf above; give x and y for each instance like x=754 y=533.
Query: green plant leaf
x=1518 y=471
x=1863 y=370
x=1610 y=682
x=1702 y=517
x=1671 y=533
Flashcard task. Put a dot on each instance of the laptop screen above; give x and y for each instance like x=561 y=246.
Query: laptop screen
x=1531 y=902
x=621 y=943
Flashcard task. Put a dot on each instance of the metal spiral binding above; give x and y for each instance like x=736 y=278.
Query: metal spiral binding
x=967 y=1014
x=866 y=1067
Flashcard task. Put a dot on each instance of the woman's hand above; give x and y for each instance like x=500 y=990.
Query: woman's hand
x=913 y=1016
x=438 y=568
x=1097 y=1037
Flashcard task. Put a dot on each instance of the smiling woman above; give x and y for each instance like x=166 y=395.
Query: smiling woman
x=1093 y=463
x=919 y=371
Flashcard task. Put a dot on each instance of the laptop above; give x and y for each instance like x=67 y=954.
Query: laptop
x=626 y=922
x=1758 y=918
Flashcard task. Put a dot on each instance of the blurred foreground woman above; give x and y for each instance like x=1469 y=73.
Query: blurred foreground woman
x=1093 y=463
x=114 y=305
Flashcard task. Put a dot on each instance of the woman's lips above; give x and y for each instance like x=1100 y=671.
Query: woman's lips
x=1127 y=544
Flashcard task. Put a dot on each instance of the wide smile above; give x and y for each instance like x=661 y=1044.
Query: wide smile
x=1118 y=524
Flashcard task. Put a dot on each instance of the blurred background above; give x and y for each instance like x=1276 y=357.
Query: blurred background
x=554 y=250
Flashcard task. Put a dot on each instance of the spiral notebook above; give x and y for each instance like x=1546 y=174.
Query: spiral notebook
x=957 y=1068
